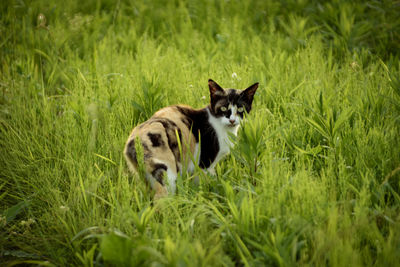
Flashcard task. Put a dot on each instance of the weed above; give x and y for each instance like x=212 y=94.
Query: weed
x=312 y=180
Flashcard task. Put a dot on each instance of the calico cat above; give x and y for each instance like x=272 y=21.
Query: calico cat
x=202 y=133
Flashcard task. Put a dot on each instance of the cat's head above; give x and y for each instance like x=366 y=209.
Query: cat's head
x=230 y=105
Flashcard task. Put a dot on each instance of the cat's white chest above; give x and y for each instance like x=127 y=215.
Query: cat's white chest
x=225 y=145
x=224 y=141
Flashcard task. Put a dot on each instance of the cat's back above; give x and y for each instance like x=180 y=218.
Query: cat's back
x=160 y=135
x=169 y=118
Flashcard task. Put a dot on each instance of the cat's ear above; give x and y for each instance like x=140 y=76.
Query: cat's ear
x=214 y=87
x=248 y=94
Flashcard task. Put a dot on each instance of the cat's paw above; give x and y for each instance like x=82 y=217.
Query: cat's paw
x=211 y=172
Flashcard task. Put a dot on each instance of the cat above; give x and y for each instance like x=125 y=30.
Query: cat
x=203 y=135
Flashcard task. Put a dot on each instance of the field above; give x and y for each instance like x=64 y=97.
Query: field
x=314 y=177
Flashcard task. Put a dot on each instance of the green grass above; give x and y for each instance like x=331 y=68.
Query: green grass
x=314 y=178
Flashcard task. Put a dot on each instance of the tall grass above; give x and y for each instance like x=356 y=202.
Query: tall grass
x=313 y=179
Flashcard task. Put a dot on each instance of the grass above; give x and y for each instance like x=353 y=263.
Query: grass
x=313 y=179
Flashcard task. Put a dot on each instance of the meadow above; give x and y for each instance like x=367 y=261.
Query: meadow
x=314 y=177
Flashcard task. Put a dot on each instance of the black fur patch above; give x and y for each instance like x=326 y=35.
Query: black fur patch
x=170 y=128
x=131 y=151
x=158 y=172
x=187 y=122
x=156 y=139
x=209 y=141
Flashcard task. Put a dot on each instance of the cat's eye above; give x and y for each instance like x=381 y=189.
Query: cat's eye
x=240 y=109
x=223 y=109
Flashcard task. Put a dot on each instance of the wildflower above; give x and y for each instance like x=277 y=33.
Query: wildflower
x=354 y=65
x=64 y=208
x=28 y=222
x=41 y=21
x=235 y=76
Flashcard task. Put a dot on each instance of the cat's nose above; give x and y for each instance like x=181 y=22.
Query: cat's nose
x=232 y=121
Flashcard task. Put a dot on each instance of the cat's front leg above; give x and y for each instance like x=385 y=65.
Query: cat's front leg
x=211 y=171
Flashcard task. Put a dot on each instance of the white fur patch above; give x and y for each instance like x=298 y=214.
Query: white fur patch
x=171 y=185
x=234 y=116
